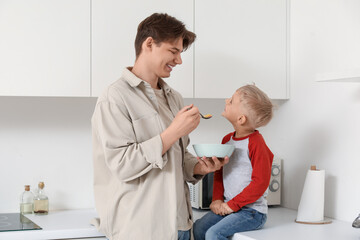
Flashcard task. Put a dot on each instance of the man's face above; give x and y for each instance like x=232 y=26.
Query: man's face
x=165 y=56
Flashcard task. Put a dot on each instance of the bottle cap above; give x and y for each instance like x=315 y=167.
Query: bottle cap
x=41 y=185
x=27 y=187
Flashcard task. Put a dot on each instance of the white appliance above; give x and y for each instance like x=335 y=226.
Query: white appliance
x=201 y=193
x=274 y=191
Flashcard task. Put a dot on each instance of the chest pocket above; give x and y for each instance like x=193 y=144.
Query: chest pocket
x=147 y=127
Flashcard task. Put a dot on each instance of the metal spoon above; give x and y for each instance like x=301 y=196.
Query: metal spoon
x=206 y=116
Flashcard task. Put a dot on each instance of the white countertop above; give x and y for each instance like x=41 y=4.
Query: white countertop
x=58 y=225
x=281 y=225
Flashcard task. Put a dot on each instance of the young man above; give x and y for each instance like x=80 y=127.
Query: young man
x=140 y=134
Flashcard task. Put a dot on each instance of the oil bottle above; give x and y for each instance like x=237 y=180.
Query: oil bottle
x=27 y=201
x=41 y=201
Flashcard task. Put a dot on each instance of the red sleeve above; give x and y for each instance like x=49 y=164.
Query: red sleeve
x=261 y=161
x=218 y=187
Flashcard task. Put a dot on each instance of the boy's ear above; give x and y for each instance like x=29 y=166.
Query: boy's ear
x=242 y=119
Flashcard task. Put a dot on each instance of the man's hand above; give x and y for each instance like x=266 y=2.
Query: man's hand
x=185 y=121
x=208 y=165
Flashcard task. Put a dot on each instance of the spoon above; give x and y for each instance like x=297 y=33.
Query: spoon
x=206 y=116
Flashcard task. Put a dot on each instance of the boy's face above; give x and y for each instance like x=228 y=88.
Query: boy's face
x=234 y=109
x=165 y=56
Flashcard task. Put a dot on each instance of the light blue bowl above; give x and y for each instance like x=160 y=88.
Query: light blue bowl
x=210 y=150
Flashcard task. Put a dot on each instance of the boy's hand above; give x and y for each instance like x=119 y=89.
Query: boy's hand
x=208 y=165
x=215 y=206
x=225 y=209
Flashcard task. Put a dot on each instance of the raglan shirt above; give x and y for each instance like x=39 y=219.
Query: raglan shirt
x=245 y=179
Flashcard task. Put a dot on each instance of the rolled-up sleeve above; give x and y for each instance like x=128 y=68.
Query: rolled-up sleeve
x=189 y=163
x=126 y=158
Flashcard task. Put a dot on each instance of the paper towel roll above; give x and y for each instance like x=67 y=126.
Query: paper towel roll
x=311 y=207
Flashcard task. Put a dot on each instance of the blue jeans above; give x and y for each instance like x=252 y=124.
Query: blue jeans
x=184 y=235
x=217 y=227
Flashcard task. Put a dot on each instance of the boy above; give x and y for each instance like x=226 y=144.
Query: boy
x=239 y=188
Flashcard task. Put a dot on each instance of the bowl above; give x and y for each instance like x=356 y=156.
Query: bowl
x=210 y=150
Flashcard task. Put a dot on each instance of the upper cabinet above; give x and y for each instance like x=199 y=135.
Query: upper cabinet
x=78 y=48
x=114 y=27
x=240 y=42
x=45 y=48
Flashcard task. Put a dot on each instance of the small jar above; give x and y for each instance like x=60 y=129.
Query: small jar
x=27 y=201
x=41 y=201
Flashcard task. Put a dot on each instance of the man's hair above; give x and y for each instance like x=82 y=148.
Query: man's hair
x=258 y=105
x=162 y=28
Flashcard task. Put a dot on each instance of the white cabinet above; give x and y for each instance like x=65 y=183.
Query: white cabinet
x=45 y=48
x=77 y=48
x=114 y=26
x=239 y=42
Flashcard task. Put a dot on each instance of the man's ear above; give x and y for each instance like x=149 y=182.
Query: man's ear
x=148 y=44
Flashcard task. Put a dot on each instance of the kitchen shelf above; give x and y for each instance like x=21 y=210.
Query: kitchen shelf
x=344 y=76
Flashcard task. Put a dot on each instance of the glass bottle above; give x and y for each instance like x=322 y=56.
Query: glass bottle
x=27 y=201
x=41 y=201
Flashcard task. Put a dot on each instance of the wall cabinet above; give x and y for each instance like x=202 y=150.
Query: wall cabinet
x=114 y=27
x=239 y=42
x=45 y=48
x=67 y=48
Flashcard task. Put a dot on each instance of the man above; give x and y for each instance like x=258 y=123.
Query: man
x=140 y=134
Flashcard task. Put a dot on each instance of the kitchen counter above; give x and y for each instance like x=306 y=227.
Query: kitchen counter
x=58 y=225
x=281 y=225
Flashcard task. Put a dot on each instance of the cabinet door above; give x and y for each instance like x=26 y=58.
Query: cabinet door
x=114 y=26
x=45 y=48
x=239 y=42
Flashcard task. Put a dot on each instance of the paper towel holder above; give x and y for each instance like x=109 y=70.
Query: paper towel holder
x=308 y=186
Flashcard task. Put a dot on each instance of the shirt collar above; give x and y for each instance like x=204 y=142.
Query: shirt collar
x=134 y=81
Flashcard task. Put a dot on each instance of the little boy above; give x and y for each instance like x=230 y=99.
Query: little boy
x=240 y=187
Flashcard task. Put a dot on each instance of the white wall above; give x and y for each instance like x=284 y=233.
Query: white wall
x=46 y=139
x=49 y=139
x=320 y=123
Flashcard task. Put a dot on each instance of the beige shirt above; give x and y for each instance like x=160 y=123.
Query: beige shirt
x=139 y=193
x=183 y=220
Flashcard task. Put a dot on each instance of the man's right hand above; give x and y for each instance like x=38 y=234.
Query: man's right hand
x=185 y=121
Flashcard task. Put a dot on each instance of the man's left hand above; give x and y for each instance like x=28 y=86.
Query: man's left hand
x=207 y=165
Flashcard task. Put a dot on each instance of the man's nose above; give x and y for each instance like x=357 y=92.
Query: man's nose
x=178 y=59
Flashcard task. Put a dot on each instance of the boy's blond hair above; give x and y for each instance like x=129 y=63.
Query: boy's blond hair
x=258 y=105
